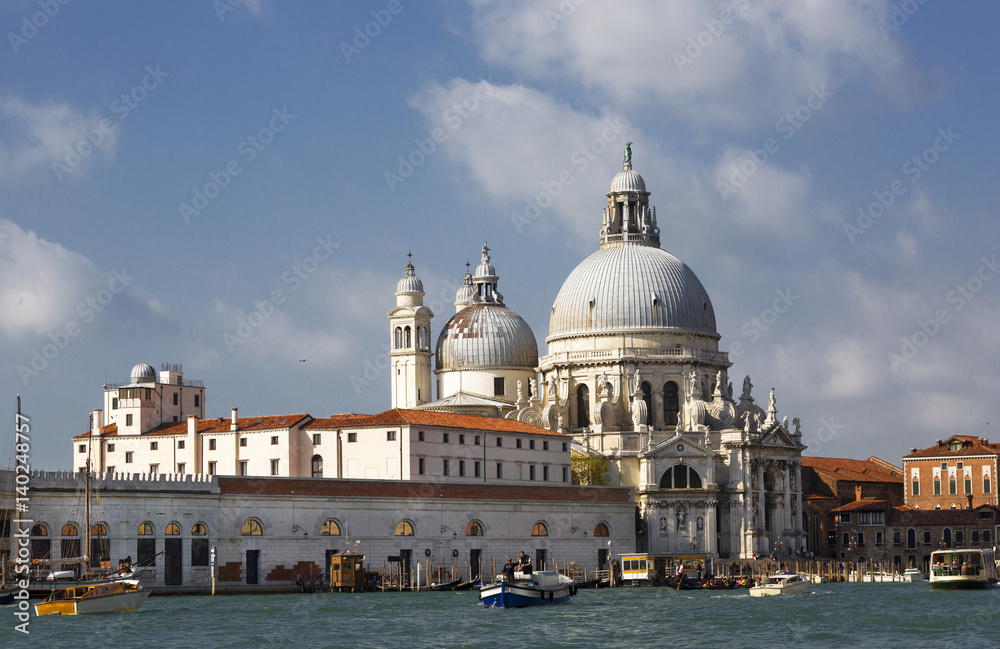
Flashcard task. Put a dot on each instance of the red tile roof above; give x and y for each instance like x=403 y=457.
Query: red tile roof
x=403 y=417
x=970 y=446
x=107 y=431
x=871 y=470
x=909 y=516
x=220 y=425
x=866 y=505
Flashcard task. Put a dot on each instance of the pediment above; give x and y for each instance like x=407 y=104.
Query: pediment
x=679 y=446
x=778 y=436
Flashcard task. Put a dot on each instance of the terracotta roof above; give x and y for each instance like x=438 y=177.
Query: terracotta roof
x=909 y=516
x=866 y=505
x=220 y=425
x=871 y=470
x=402 y=417
x=970 y=446
x=107 y=431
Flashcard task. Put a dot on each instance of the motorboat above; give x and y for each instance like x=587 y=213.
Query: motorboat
x=781 y=583
x=531 y=589
x=963 y=569
x=112 y=597
x=913 y=574
x=877 y=577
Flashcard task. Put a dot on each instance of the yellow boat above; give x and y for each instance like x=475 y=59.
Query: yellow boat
x=124 y=595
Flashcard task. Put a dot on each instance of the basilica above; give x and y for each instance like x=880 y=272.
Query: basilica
x=633 y=372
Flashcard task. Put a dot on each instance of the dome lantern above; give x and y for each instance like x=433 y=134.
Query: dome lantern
x=628 y=218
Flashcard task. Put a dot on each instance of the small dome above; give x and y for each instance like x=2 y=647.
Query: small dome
x=486 y=336
x=628 y=181
x=143 y=372
x=466 y=292
x=410 y=283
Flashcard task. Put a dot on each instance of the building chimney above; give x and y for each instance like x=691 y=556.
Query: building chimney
x=857 y=492
x=939 y=442
x=913 y=450
x=97 y=422
x=969 y=496
x=234 y=424
x=194 y=444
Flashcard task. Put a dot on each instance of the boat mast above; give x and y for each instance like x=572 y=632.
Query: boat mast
x=86 y=492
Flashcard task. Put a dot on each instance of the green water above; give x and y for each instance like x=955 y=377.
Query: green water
x=830 y=615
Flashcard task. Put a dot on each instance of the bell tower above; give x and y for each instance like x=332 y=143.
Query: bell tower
x=409 y=343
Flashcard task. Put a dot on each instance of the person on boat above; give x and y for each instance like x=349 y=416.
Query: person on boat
x=524 y=563
x=508 y=570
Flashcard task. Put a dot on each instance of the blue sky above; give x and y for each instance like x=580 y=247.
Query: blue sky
x=171 y=170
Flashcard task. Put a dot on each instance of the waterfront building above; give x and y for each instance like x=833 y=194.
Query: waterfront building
x=268 y=531
x=954 y=473
x=831 y=483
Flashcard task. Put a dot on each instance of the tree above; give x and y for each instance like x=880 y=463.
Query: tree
x=589 y=469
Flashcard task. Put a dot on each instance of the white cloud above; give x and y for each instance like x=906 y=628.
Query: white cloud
x=680 y=54
x=34 y=136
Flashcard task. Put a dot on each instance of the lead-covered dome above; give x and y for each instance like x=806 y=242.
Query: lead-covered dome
x=143 y=372
x=628 y=181
x=409 y=283
x=486 y=336
x=628 y=288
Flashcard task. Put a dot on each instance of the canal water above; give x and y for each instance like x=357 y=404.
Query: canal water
x=831 y=615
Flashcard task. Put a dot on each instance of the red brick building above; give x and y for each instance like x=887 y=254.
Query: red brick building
x=956 y=473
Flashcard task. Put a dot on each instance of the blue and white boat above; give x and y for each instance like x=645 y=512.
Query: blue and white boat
x=537 y=589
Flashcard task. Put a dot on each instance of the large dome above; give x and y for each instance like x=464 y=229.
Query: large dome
x=486 y=336
x=627 y=288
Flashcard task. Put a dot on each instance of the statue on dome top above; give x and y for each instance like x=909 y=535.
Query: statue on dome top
x=486 y=253
x=628 y=155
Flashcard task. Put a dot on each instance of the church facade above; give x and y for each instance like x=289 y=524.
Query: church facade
x=634 y=373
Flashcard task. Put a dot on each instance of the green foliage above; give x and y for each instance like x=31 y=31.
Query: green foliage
x=589 y=469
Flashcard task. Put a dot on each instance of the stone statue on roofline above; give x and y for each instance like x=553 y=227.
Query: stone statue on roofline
x=628 y=155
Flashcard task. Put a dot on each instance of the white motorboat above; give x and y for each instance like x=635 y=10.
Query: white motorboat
x=876 y=577
x=963 y=569
x=913 y=574
x=781 y=583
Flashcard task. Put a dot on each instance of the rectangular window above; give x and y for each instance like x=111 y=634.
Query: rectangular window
x=846 y=539
x=243 y=467
x=897 y=538
x=128 y=457
x=352 y=437
x=420 y=436
x=111 y=469
x=154 y=469
x=317 y=439
x=444 y=438
x=959 y=465
x=175 y=398
x=531 y=444
x=461 y=468
x=461 y=439
x=927 y=538
x=545 y=445
x=390 y=436
x=937 y=486
x=111 y=448
x=845 y=518
x=274 y=440
x=879 y=539
x=477 y=440
x=180 y=468
x=274 y=467
x=987 y=536
x=565 y=446
x=531 y=472
x=545 y=473
x=499 y=441
x=243 y=441
x=114 y=403
x=499 y=470
x=987 y=487
x=518 y=443
x=83 y=448
x=211 y=468
x=975 y=537
x=197 y=401
x=478 y=469
x=420 y=466
x=180 y=443
x=445 y=471
x=944 y=466
x=861 y=539
x=211 y=444
x=565 y=474
x=498 y=387
x=916 y=488
x=128 y=420
x=959 y=537
x=154 y=446
x=952 y=486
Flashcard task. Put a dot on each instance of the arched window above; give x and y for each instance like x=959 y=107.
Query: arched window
x=647 y=396
x=199 y=545
x=680 y=477
x=407 y=338
x=671 y=406
x=40 y=530
x=69 y=529
x=317 y=466
x=398 y=337
x=252 y=527
x=911 y=538
x=946 y=537
x=540 y=529
x=916 y=487
x=937 y=485
x=582 y=406
x=145 y=529
x=475 y=528
x=100 y=546
x=601 y=529
x=330 y=528
x=173 y=529
x=405 y=528
x=99 y=529
x=41 y=545
x=199 y=529
x=952 y=485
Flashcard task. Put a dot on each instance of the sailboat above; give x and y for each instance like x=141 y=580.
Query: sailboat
x=109 y=593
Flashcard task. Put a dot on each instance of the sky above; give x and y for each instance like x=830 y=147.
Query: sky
x=234 y=186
